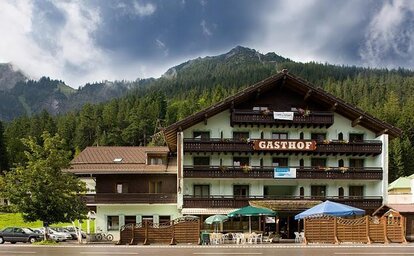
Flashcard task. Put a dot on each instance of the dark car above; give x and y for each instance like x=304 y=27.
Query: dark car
x=14 y=234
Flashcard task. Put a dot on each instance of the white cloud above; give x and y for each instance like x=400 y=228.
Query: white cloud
x=161 y=45
x=312 y=30
x=144 y=9
x=390 y=37
x=205 y=29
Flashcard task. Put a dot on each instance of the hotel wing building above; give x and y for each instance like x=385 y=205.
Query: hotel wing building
x=282 y=143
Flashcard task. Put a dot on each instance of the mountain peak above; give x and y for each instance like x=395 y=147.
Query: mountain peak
x=9 y=76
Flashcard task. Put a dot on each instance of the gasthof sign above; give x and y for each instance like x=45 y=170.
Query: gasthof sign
x=285 y=145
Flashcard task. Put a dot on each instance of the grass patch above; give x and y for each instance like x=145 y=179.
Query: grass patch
x=16 y=220
x=46 y=242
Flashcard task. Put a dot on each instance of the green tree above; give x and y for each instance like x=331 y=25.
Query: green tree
x=4 y=164
x=39 y=189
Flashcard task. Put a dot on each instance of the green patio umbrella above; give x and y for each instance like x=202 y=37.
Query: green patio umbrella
x=251 y=211
x=215 y=219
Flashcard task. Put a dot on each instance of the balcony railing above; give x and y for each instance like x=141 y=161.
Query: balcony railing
x=346 y=173
x=267 y=172
x=313 y=119
x=366 y=147
x=128 y=198
x=367 y=202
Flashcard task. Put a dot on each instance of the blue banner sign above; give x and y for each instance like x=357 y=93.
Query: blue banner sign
x=284 y=172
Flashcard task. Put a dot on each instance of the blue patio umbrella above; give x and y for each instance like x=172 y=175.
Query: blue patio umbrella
x=330 y=208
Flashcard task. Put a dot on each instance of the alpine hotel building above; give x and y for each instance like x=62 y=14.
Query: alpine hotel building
x=283 y=144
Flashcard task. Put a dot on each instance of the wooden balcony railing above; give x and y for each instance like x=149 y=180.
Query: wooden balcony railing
x=313 y=119
x=366 y=147
x=267 y=172
x=346 y=173
x=128 y=198
x=367 y=202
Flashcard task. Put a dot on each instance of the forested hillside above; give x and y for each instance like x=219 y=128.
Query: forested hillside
x=196 y=84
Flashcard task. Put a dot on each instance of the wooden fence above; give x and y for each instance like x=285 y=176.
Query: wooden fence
x=327 y=229
x=181 y=230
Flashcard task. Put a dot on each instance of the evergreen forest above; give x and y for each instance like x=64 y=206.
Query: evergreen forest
x=133 y=119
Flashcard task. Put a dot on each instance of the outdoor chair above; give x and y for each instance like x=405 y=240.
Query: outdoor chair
x=297 y=237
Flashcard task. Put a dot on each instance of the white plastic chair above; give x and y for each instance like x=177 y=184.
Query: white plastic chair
x=297 y=237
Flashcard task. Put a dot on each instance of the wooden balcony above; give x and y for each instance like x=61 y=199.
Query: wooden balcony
x=217 y=145
x=130 y=198
x=267 y=172
x=346 y=173
x=315 y=119
x=366 y=203
x=363 y=148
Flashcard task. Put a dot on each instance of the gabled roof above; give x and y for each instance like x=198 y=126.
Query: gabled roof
x=400 y=183
x=117 y=160
x=295 y=83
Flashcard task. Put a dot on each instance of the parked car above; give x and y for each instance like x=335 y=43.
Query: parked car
x=16 y=234
x=72 y=229
x=54 y=235
x=69 y=235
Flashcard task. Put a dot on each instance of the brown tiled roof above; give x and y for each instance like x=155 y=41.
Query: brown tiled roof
x=299 y=85
x=100 y=160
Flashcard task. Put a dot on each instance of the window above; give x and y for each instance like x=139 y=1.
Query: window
x=201 y=135
x=164 y=218
x=201 y=160
x=356 y=137
x=340 y=136
x=318 y=191
x=278 y=161
x=154 y=160
x=148 y=218
x=318 y=136
x=340 y=192
x=121 y=188
x=130 y=219
x=301 y=136
x=201 y=190
x=302 y=193
x=240 y=161
x=8 y=230
x=279 y=135
x=155 y=187
x=261 y=108
x=340 y=163
x=356 y=163
x=241 y=190
x=301 y=162
x=240 y=135
x=318 y=162
x=112 y=223
x=356 y=191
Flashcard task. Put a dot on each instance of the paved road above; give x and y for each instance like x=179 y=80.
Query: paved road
x=89 y=250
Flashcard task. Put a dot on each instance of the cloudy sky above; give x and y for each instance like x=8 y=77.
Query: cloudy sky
x=93 y=40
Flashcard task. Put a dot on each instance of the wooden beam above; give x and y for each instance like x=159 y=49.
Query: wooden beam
x=333 y=108
x=381 y=132
x=356 y=121
x=307 y=95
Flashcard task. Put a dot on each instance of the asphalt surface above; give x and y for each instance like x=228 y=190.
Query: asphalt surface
x=196 y=250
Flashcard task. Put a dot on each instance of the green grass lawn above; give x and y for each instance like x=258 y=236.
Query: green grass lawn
x=16 y=220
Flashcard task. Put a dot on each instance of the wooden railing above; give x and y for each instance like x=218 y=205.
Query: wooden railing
x=313 y=119
x=136 y=198
x=367 y=203
x=267 y=172
x=366 y=147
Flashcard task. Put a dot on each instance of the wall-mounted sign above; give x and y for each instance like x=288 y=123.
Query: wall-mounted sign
x=284 y=145
x=284 y=173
